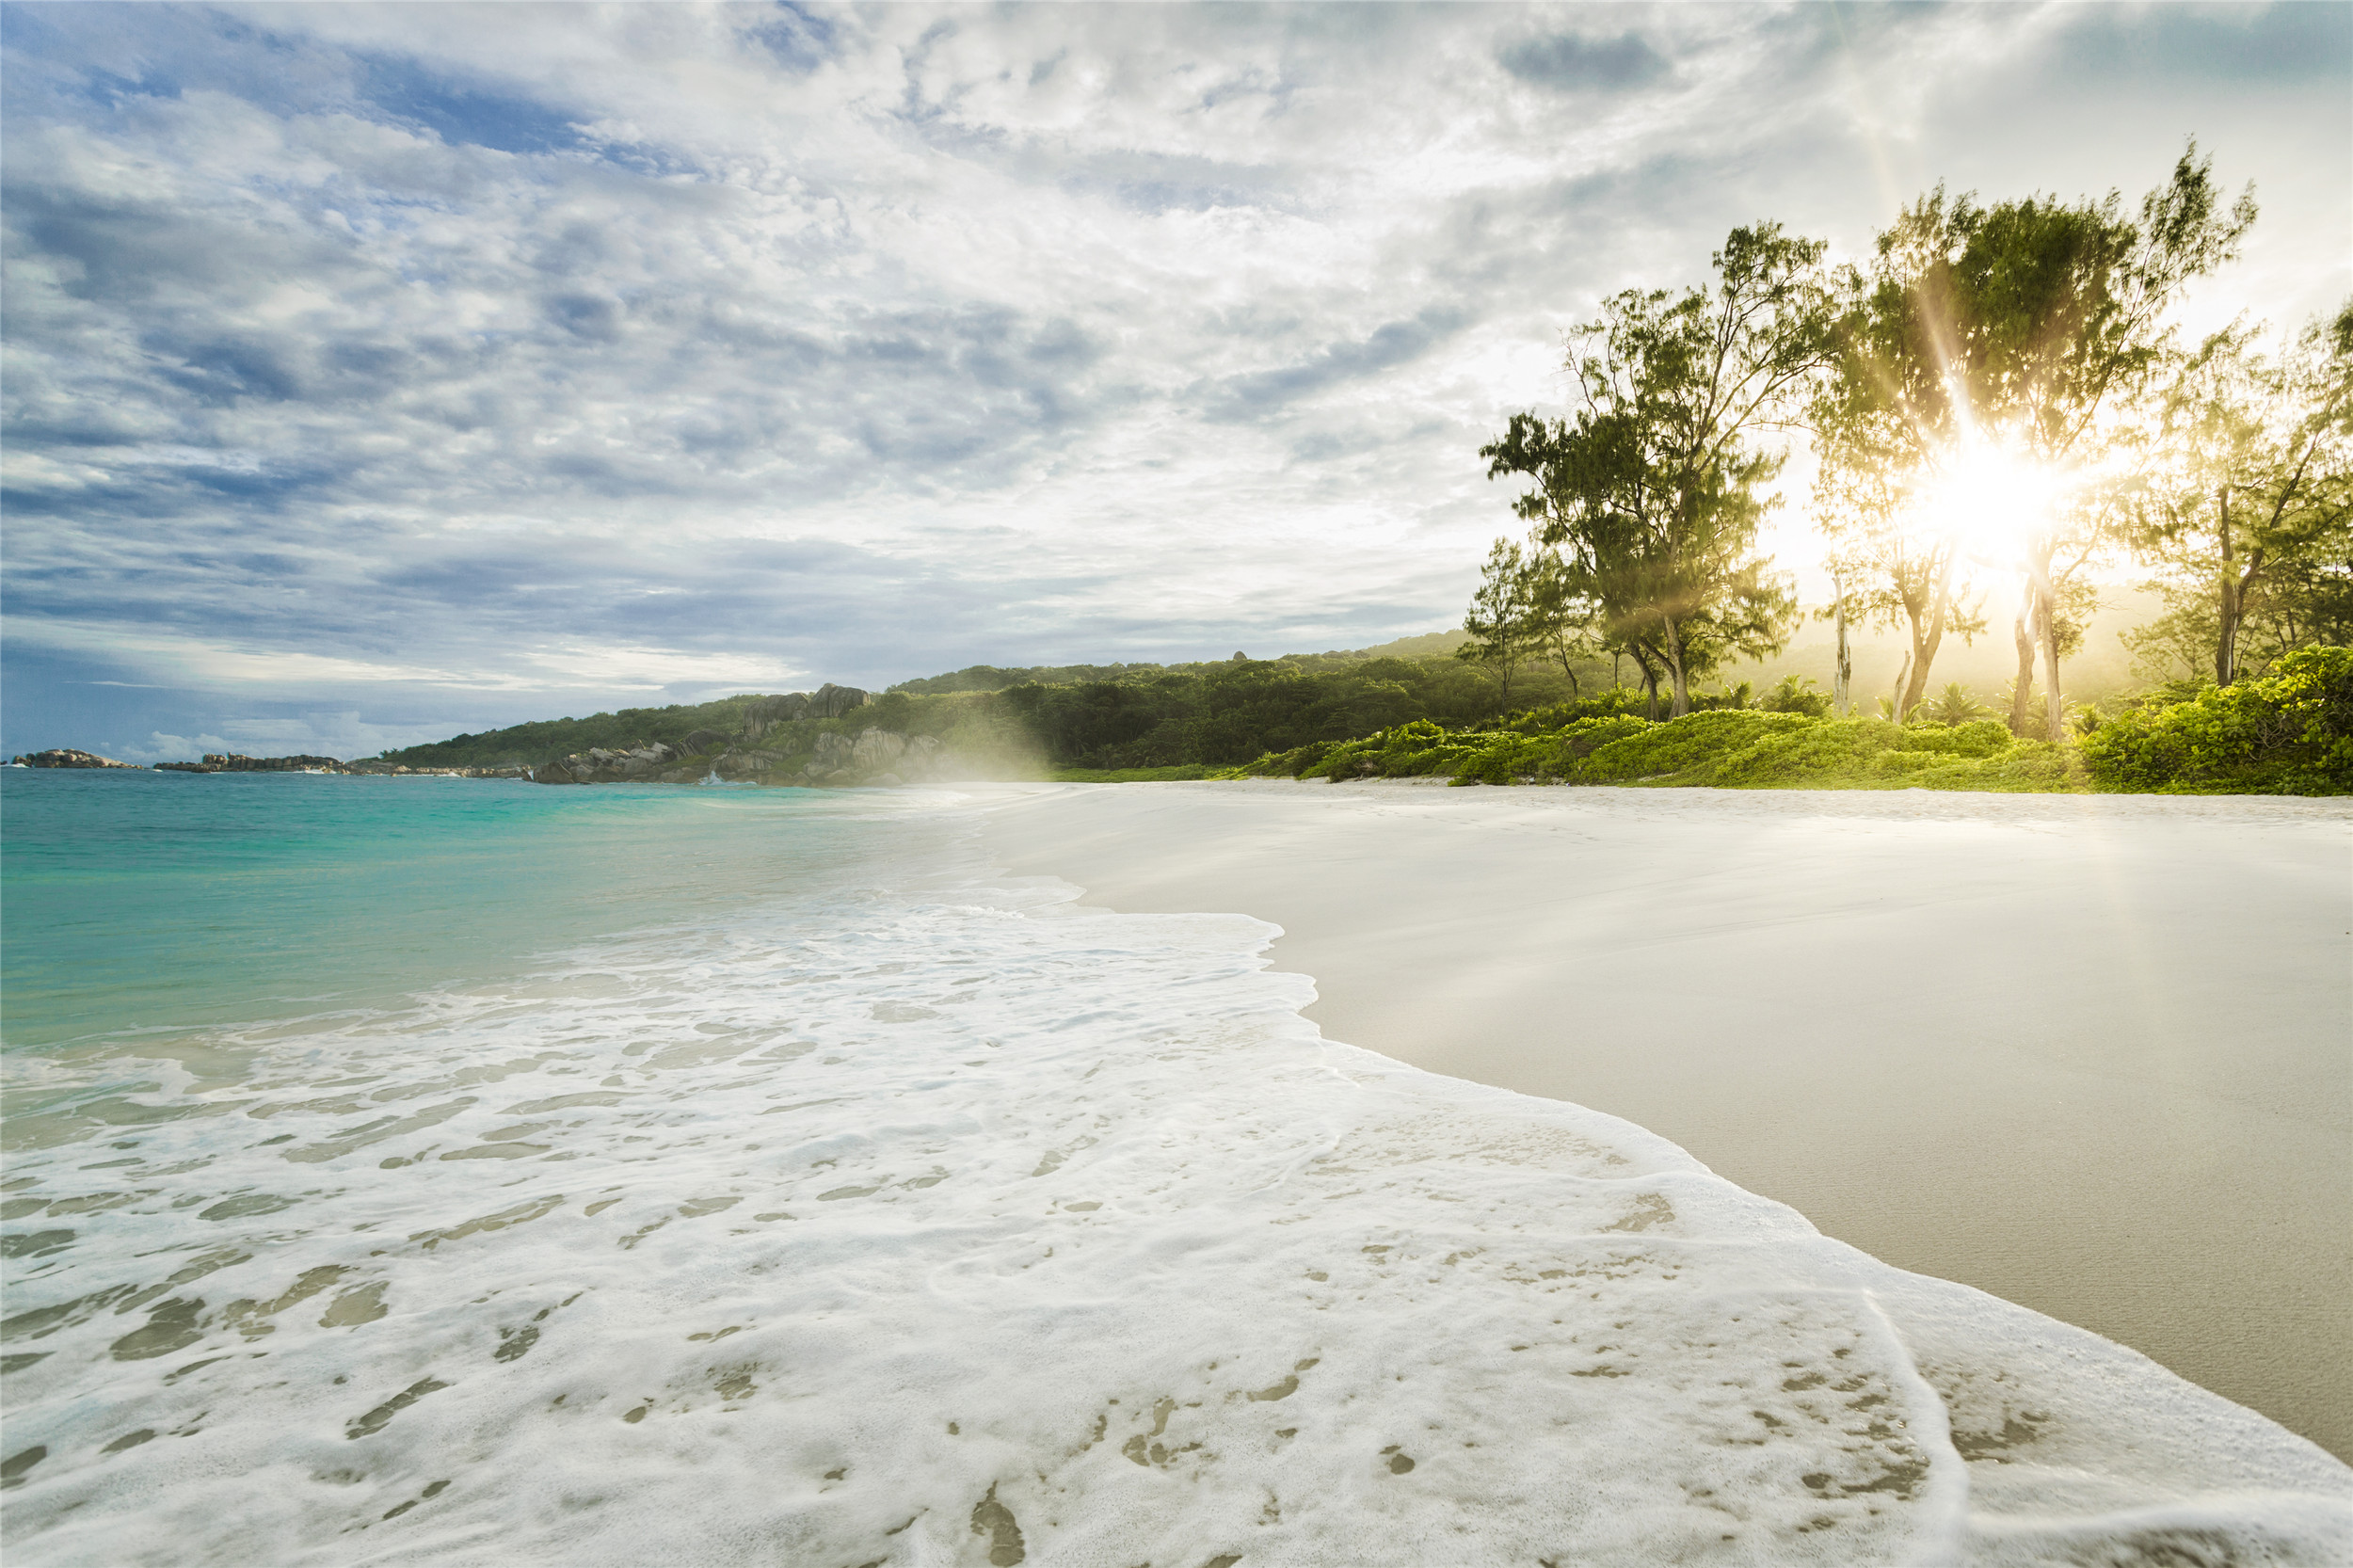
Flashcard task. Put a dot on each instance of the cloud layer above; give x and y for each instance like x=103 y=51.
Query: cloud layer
x=375 y=373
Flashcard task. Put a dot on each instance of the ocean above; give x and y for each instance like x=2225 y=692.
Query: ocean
x=424 y=1171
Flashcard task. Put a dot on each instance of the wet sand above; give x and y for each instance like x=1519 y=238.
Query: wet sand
x=2093 y=1055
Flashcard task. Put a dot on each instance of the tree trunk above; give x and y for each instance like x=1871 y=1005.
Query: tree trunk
x=1675 y=672
x=1925 y=647
x=2046 y=629
x=1841 y=677
x=1650 y=688
x=1896 y=695
x=2233 y=605
x=2023 y=688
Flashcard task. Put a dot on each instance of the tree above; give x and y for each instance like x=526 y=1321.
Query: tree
x=1995 y=356
x=1649 y=490
x=1562 y=617
x=1842 y=668
x=2248 y=515
x=1794 y=694
x=1501 y=619
x=1903 y=572
x=1956 y=707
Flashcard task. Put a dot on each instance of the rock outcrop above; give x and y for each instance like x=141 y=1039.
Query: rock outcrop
x=745 y=764
x=376 y=765
x=638 y=764
x=827 y=701
x=67 y=757
x=874 y=757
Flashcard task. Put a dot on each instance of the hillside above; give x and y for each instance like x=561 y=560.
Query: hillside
x=541 y=741
x=1220 y=712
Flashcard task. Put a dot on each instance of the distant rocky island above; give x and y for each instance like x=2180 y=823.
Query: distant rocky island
x=66 y=757
x=789 y=738
x=217 y=762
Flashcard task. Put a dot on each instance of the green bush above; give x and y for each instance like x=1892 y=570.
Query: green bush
x=1574 y=742
x=2289 y=733
x=1686 y=750
x=1179 y=774
x=1291 y=764
x=1737 y=749
x=1506 y=757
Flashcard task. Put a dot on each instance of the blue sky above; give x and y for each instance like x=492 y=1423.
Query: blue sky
x=376 y=373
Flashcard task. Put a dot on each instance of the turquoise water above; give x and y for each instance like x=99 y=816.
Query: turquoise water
x=136 y=902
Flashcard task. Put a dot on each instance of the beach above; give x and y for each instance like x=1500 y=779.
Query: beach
x=743 y=1177
x=2093 y=1055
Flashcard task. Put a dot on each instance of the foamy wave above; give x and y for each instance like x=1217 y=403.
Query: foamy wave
x=973 y=1228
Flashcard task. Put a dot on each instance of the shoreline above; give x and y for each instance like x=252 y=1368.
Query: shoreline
x=874 y=1206
x=2073 y=1050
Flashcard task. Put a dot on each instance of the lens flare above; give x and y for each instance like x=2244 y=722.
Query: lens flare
x=1990 y=497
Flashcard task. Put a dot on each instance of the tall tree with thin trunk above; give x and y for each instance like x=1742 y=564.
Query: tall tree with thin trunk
x=1501 y=619
x=1903 y=572
x=2253 y=488
x=1650 y=489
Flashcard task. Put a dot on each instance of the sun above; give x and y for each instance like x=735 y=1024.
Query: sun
x=1991 y=498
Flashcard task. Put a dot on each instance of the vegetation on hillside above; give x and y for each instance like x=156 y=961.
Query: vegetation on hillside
x=1213 y=714
x=527 y=745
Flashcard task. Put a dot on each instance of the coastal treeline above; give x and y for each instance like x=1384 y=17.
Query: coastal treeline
x=1998 y=407
x=1121 y=718
x=2287 y=732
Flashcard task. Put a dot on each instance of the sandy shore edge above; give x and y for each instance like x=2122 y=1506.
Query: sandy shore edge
x=2088 y=1053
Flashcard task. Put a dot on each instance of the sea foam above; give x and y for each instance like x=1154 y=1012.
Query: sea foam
x=930 y=1218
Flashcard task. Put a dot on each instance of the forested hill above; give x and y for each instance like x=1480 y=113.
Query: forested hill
x=990 y=678
x=1087 y=716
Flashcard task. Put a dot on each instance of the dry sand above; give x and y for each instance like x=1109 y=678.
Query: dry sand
x=2090 y=1054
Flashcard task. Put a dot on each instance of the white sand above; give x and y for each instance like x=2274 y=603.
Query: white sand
x=2093 y=1055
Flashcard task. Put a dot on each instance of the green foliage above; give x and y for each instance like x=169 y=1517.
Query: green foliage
x=2249 y=516
x=1794 y=694
x=1684 y=750
x=1649 y=491
x=2289 y=733
x=1131 y=775
x=1291 y=764
x=544 y=739
x=1752 y=751
x=989 y=678
x=1726 y=749
x=1958 y=705
x=1226 y=715
x=1578 y=741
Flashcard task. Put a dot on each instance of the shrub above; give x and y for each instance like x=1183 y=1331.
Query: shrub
x=1796 y=695
x=1574 y=742
x=1506 y=757
x=1685 y=750
x=1291 y=764
x=2289 y=733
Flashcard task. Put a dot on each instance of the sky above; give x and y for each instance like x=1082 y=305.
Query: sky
x=373 y=374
